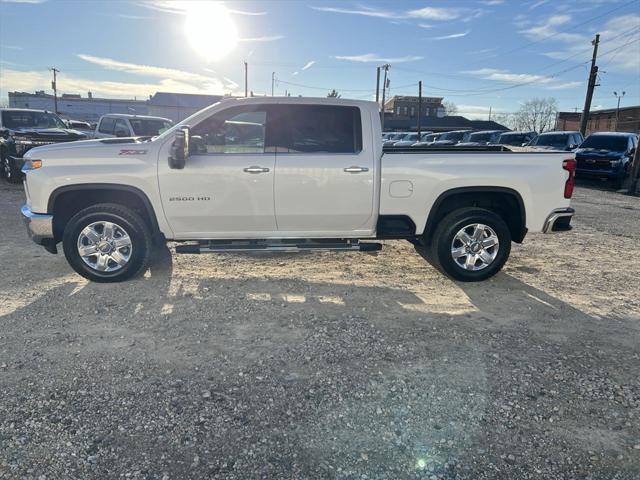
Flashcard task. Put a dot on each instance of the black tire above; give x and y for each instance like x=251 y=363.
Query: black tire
x=137 y=230
x=443 y=238
x=3 y=153
x=9 y=170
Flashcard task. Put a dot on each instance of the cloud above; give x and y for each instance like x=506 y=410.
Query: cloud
x=549 y=82
x=372 y=57
x=492 y=2
x=441 y=14
x=295 y=73
x=506 y=76
x=364 y=11
x=32 y=2
x=566 y=85
x=148 y=70
x=618 y=49
x=548 y=29
x=30 y=81
x=453 y=35
x=11 y=47
x=271 y=38
x=435 y=13
x=309 y=65
x=537 y=4
x=181 y=7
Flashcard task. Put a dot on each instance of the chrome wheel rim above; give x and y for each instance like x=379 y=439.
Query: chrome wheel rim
x=475 y=247
x=105 y=246
x=6 y=168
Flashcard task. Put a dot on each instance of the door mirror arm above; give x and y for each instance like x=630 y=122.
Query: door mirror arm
x=179 y=151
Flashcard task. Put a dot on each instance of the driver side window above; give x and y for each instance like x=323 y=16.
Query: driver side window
x=234 y=130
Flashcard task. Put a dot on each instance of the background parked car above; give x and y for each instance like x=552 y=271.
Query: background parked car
x=22 y=129
x=516 y=139
x=567 y=141
x=483 y=137
x=396 y=137
x=451 y=138
x=607 y=155
x=80 y=126
x=408 y=140
x=428 y=139
x=123 y=125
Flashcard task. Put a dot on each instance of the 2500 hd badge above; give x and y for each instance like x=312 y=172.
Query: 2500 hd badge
x=190 y=199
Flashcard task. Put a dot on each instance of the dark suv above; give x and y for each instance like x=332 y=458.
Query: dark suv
x=607 y=155
x=23 y=129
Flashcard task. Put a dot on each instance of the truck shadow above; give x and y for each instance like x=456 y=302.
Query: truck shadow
x=309 y=376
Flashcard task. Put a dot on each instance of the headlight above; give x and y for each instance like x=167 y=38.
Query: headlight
x=31 y=164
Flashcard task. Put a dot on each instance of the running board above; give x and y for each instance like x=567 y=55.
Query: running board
x=216 y=246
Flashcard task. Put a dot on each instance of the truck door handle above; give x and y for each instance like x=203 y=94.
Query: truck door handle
x=356 y=169
x=255 y=169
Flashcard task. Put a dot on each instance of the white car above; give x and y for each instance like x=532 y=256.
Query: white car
x=123 y=125
x=408 y=140
x=287 y=174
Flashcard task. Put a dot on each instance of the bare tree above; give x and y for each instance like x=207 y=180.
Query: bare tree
x=538 y=114
x=450 y=108
x=333 y=94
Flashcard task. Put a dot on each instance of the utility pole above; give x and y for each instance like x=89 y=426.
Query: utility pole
x=273 y=81
x=419 y=106
x=54 y=85
x=246 y=82
x=618 y=107
x=378 y=85
x=384 y=89
x=593 y=74
x=490 y=107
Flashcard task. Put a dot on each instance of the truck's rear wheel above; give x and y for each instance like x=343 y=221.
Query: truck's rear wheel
x=471 y=244
x=107 y=243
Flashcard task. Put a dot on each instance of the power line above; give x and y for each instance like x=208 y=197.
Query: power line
x=574 y=27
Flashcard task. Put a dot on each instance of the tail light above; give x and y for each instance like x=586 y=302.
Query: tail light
x=570 y=166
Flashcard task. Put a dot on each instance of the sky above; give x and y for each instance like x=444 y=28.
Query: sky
x=478 y=54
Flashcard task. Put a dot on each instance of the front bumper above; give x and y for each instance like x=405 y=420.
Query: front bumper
x=558 y=220
x=18 y=162
x=40 y=228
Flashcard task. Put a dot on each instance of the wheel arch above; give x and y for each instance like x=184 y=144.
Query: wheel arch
x=66 y=201
x=505 y=201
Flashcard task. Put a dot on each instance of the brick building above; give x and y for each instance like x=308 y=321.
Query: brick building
x=602 y=120
x=407 y=106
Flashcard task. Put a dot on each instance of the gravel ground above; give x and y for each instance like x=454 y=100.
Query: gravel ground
x=327 y=365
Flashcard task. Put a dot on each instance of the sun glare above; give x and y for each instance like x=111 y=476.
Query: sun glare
x=210 y=30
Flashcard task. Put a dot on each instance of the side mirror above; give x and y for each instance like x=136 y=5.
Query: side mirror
x=121 y=133
x=572 y=146
x=179 y=149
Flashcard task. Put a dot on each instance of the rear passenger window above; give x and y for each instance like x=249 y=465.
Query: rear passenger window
x=322 y=129
x=107 y=125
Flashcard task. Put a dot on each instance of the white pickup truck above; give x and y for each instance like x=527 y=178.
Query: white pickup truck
x=287 y=174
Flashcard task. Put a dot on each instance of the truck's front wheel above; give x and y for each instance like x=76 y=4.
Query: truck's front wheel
x=107 y=243
x=471 y=244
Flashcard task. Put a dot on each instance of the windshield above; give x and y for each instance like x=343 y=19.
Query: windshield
x=397 y=136
x=606 y=142
x=149 y=127
x=430 y=138
x=482 y=137
x=454 y=136
x=513 y=138
x=412 y=137
x=551 y=140
x=26 y=119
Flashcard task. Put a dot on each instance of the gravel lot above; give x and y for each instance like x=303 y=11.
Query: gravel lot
x=327 y=365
